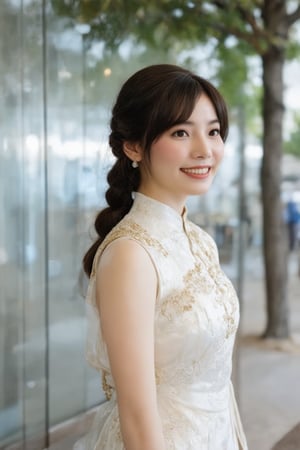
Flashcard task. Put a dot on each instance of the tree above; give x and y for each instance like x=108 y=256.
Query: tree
x=261 y=27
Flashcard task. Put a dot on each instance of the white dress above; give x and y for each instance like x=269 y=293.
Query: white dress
x=196 y=319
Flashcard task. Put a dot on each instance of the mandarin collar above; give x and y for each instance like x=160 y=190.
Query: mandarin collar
x=158 y=210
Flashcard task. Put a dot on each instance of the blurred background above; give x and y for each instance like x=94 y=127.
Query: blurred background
x=62 y=63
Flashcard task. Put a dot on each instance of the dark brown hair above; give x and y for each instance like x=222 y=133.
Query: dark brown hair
x=150 y=102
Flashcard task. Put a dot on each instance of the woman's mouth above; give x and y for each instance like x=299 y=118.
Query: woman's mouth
x=196 y=171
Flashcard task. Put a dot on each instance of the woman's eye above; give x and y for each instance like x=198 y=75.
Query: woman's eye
x=180 y=133
x=214 y=132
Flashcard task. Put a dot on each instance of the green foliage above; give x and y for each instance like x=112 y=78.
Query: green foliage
x=233 y=28
x=232 y=72
x=292 y=145
x=160 y=21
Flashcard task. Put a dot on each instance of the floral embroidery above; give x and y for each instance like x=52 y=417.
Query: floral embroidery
x=206 y=277
x=107 y=388
x=204 y=247
x=182 y=300
x=226 y=297
x=225 y=294
x=132 y=230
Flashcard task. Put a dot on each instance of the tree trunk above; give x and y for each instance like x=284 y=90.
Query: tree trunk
x=274 y=234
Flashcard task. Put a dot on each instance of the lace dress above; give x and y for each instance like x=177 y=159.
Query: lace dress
x=196 y=319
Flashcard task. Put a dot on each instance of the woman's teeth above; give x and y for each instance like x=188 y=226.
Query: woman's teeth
x=197 y=171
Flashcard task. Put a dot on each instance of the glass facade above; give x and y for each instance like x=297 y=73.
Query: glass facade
x=56 y=94
x=49 y=161
x=22 y=229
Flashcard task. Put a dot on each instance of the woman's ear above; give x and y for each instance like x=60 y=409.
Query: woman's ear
x=133 y=151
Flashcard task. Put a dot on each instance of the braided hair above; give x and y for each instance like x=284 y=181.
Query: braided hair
x=150 y=102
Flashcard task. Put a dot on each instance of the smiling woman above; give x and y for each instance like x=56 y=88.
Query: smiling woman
x=162 y=314
x=184 y=159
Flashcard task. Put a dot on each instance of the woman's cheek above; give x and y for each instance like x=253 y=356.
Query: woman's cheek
x=220 y=155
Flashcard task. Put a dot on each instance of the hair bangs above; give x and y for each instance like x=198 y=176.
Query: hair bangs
x=173 y=107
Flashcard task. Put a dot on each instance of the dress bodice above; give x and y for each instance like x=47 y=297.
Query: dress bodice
x=196 y=318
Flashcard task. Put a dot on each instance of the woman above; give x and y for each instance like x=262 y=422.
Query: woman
x=162 y=314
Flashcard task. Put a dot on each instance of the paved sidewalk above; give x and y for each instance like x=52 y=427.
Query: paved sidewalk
x=269 y=371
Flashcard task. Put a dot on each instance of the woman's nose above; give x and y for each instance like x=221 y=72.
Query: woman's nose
x=202 y=148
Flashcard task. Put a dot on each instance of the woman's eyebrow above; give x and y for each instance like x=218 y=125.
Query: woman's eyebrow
x=190 y=122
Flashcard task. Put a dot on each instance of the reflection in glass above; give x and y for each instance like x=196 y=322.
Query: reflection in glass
x=22 y=236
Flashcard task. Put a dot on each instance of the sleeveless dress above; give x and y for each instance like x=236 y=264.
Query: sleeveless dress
x=196 y=318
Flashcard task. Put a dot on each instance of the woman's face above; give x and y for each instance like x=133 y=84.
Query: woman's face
x=185 y=158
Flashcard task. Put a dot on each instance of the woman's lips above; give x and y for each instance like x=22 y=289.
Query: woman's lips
x=197 y=172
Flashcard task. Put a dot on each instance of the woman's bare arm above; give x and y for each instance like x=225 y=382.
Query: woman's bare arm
x=126 y=293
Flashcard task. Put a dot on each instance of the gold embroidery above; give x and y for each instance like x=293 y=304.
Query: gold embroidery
x=206 y=277
x=225 y=296
x=182 y=300
x=132 y=230
x=107 y=388
x=158 y=377
x=204 y=246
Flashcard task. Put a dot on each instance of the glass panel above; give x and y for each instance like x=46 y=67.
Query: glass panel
x=73 y=163
x=22 y=230
x=11 y=225
x=34 y=288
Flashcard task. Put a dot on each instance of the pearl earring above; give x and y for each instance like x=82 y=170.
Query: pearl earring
x=134 y=164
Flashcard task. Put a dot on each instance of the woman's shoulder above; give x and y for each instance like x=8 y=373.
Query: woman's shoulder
x=129 y=234
x=131 y=229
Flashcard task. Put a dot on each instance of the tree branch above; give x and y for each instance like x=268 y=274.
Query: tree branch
x=254 y=39
x=293 y=17
x=250 y=38
x=249 y=18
